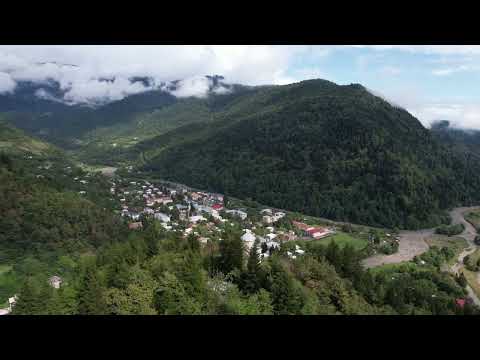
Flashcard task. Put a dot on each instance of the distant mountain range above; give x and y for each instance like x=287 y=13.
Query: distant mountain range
x=316 y=147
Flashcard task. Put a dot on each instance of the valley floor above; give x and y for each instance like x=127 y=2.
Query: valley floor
x=413 y=243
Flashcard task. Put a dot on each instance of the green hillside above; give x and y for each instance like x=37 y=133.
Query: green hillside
x=327 y=150
x=13 y=140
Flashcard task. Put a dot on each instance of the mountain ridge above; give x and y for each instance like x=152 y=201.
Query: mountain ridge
x=335 y=151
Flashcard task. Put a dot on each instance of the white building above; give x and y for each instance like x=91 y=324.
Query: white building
x=196 y=218
x=134 y=216
x=271 y=236
x=248 y=238
x=267 y=219
x=162 y=217
x=12 y=301
x=266 y=211
x=241 y=214
x=55 y=281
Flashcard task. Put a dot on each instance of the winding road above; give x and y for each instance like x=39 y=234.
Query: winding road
x=412 y=243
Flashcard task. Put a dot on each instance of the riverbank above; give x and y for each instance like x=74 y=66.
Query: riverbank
x=413 y=243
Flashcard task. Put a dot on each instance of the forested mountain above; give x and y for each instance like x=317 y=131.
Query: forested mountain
x=466 y=141
x=316 y=147
x=53 y=224
x=328 y=150
x=40 y=110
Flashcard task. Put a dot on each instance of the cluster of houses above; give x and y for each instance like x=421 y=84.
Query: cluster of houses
x=269 y=217
x=142 y=198
x=202 y=214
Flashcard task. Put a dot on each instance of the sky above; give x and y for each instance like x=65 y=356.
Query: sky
x=432 y=82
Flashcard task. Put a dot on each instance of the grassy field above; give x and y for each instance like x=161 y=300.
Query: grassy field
x=4 y=269
x=343 y=239
x=403 y=266
x=472 y=279
x=475 y=256
x=473 y=259
x=456 y=243
x=473 y=217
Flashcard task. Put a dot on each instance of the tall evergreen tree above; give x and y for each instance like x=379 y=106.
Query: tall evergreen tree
x=231 y=252
x=91 y=299
x=252 y=277
x=27 y=302
x=286 y=297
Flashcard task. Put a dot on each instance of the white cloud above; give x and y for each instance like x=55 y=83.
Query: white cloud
x=389 y=70
x=251 y=65
x=7 y=84
x=461 y=113
x=429 y=49
x=194 y=86
x=221 y=90
x=96 y=91
x=453 y=70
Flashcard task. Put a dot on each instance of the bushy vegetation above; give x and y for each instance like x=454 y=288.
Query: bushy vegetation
x=106 y=270
x=472 y=261
x=473 y=217
x=450 y=230
x=42 y=214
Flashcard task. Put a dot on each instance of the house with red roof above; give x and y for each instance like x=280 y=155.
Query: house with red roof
x=135 y=225
x=315 y=232
x=460 y=302
x=217 y=207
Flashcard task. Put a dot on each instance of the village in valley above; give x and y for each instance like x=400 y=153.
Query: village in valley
x=204 y=215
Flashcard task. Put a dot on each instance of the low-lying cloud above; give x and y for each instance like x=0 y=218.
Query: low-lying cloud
x=81 y=71
x=96 y=75
x=7 y=84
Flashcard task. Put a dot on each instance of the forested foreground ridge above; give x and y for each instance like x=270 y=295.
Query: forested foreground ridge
x=59 y=233
x=269 y=166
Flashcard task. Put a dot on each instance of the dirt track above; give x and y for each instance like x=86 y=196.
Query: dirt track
x=413 y=243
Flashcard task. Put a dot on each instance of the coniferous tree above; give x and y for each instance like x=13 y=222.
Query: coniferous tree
x=462 y=280
x=28 y=301
x=231 y=252
x=264 y=247
x=252 y=277
x=91 y=299
x=286 y=298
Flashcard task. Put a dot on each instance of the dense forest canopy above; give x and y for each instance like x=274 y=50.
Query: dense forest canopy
x=327 y=150
x=316 y=147
x=106 y=270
